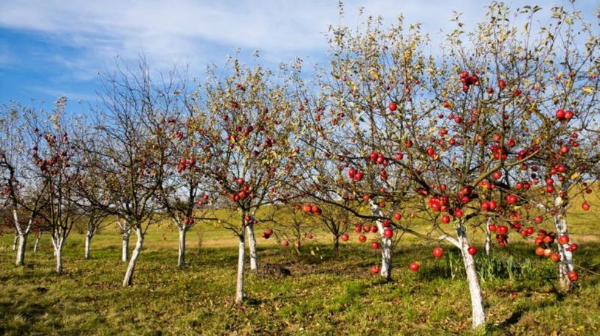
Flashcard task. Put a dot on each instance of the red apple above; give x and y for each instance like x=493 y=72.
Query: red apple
x=414 y=266
x=563 y=239
x=351 y=172
x=374 y=269
x=573 y=276
x=307 y=208
x=375 y=245
x=472 y=250
x=388 y=233
x=437 y=252
x=539 y=251
x=362 y=238
x=345 y=237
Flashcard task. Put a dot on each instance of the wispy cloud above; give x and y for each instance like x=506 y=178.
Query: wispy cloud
x=73 y=96
x=183 y=30
x=197 y=32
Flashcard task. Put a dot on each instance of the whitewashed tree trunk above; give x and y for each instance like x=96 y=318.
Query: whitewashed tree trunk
x=488 y=237
x=37 y=241
x=239 y=289
x=22 y=233
x=128 y=280
x=53 y=245
x=386 y=244
x=252 y=247
x=21 y=248
x=181 y=256
x=565 y=265
x=58 y=246
x=88 y=242
x=15 y=241
x=125 y=249
x=478 y=313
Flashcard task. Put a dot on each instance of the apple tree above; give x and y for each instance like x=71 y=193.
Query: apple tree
x=22 y=191
x=250 y=144
x=131 y=148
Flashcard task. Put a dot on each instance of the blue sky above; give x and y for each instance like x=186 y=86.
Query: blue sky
x=58 y=47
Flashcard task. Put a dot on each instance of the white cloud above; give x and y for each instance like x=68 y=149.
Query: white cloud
x=197 y=32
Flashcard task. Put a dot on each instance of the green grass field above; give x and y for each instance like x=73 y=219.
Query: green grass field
x=322 y=296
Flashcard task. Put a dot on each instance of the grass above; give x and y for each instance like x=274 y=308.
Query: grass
x=323 y=296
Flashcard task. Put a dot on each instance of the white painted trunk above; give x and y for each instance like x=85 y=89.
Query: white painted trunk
x=58 y=255
x=239 y=289
x=14 y=246
x=128 y=280
x=53 y=245
x=488 y=237
x=125 y=249
x=252 y=247
x=37 y=241
x=565 y=265
x=386 y=245
x=88 y=243
x=21 y=249
x=478 y=313
x=181 y=256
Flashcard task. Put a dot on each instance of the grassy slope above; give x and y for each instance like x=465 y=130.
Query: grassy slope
x=323 y=296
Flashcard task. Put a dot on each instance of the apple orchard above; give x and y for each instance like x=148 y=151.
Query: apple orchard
x=492 y=131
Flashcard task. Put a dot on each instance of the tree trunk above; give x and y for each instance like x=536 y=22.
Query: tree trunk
x=565 y=265
x=14 y=246
x=125 y=250
x=386 y=246
x=478 y=313
x=239 y=290
x=181 y=257
x=53 y=245
x=252 y=247
x=37 y=241
x=488 y=237
x=21 y=249
x=58 y=243
x=88 y=242
x=336 y=246
x=128 y=280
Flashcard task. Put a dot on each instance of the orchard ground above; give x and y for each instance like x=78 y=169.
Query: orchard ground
x=322 y=296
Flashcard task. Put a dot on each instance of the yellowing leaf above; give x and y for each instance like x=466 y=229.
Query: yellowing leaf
x=588 y=90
